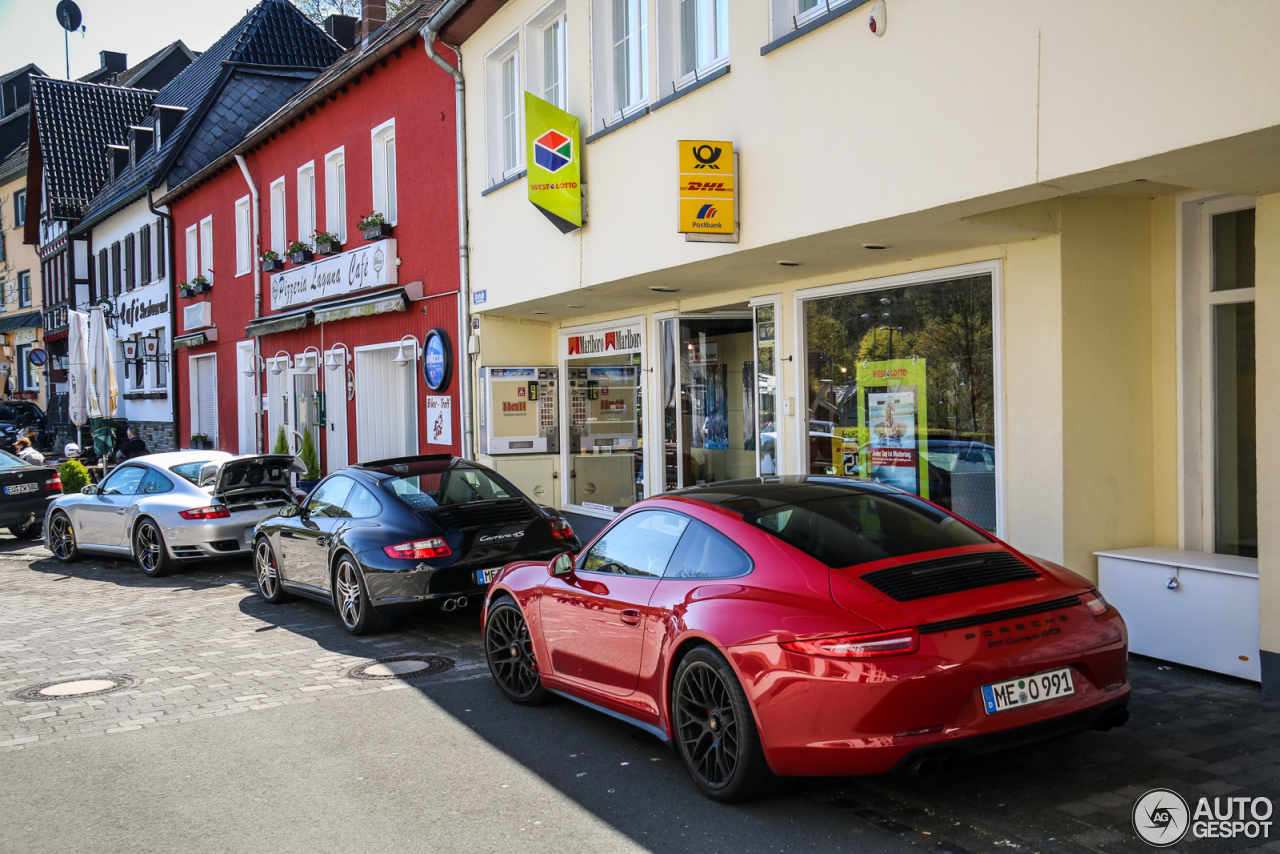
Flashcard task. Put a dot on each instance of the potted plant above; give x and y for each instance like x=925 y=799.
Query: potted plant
x=200 y=285
x=299 y=252
x=271 y=262
x=374 y=226
x=201 y=442
x=185 y=291
x=311 y=459
x=326 y=243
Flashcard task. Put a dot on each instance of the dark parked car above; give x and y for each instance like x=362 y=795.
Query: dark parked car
x=25 y=494
x=391 y=535
x=811 y=626
x=23 y=418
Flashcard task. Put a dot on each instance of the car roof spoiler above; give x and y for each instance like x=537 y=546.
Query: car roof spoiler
x=401 y=461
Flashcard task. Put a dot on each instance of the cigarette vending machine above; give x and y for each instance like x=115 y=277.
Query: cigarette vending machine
x=519 y=411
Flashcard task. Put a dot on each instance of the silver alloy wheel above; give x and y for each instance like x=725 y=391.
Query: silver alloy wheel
x=148 y=547
x=62 y=538
x=348 y=590
x=268 y=579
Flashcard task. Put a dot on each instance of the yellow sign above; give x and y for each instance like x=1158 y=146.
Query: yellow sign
x=706 y=187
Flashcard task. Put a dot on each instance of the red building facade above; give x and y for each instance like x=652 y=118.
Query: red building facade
x=333 y=345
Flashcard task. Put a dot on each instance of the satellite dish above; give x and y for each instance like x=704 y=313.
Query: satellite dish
x=69 y=17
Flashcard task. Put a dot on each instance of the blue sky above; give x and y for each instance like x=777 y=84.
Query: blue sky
x=136 y=27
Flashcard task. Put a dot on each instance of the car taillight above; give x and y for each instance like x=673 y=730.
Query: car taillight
x=419 y=549
x=1095 y=603
x=560 y=529
x=214 y=511
x=898 y=642
x=53 y=484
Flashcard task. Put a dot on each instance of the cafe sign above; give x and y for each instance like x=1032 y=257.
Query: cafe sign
x=370 y=266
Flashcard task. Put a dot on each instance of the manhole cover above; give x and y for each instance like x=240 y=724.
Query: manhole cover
x=399 y=667
x=74 y=689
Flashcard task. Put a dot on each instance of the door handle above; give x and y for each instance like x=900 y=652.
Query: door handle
x=120 y=512
x=631 y=617
x=322 y=541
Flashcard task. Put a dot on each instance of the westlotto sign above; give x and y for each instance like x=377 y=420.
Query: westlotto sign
x=706 y=187
x=623 y=340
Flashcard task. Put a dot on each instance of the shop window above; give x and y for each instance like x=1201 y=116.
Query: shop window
x=244 y=238
x=279 y=232
x=307 y=203
x=503 y=97
x=620 y=41
x=900 y=390
x=546 y=42
x=335 y=194
x=384 y=170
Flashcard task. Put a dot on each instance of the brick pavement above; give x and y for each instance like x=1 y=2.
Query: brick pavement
x=203 y=644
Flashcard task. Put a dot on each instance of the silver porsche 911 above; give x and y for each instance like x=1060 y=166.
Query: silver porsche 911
x=165 y=509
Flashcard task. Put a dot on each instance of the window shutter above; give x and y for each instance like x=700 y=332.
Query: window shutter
x=206 y=397
x=104 y=283
x=144 y=252
x=115 y=268
x=130 y=262
x=162 y=249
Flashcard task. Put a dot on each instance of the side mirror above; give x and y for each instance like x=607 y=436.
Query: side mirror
x=290 y=510
x=91 y=489
x=562 y=565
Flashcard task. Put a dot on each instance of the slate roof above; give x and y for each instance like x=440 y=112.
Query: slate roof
x=14 y=165
x=75 y=122
x=142 y=75
x=272 y=35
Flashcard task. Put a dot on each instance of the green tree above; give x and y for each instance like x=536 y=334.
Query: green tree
x=310 y=458
x=282 y=443
x=74 y=475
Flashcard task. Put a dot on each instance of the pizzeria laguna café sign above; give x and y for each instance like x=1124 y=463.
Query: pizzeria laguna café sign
x=370 y=266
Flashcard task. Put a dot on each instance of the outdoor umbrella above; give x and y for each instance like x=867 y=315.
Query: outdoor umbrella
x=102 y=384
x=78 y=367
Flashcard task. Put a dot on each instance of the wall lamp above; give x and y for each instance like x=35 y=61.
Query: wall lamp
x=309 y=362
x=331 y=360
x=275 y=362
x=401 y=359
x=256 y=364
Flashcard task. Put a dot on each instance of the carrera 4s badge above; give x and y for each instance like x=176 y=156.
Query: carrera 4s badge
x=495 y=537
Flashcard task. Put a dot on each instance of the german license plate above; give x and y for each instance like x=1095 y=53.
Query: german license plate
x=19 y=488
x=486 y=576
x=1027 y=690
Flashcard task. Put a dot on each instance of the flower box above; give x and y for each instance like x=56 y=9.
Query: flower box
x=302 y=256
x=377 y=231
x=275 y=265
x=201 y=287
x=328 y=248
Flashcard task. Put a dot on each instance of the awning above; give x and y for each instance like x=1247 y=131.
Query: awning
x=21 y=321
x=362 y=307
x=273 y=323
x=195 y=339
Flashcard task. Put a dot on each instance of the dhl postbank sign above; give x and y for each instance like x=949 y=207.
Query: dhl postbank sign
x=706 y=194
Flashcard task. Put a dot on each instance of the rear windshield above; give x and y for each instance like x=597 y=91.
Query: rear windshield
x=457 y=485
x=190 y=471
x=853 y=529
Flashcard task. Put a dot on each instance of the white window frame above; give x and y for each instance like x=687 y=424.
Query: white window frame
x=195 y=424
x=385 y=200
x=306 y=201
x=606 y=109
x=711 y=44
x=193 y=251
x=1197 y=433
x=798 y=453
x=335 y=193
x=505 y=56
x=206 y=248
x=279 y=217
x=789 y=15
x=551 y=20
x=244 y=238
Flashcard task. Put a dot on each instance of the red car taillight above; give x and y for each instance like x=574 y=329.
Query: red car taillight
x=214 y=511
x=899 y=642
x=419 y=549
x=53 y=484
x=1095 y=603
x=560 y=529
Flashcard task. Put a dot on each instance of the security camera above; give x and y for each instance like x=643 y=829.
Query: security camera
x=877 y=21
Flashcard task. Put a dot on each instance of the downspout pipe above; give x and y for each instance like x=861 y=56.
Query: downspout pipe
x=465 y=394
x=255 y=227
x=171 y=251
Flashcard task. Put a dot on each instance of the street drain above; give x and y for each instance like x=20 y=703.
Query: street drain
x=399 y=667
x=74 y=689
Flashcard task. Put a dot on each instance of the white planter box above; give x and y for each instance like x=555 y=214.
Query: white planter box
x=1208 y=619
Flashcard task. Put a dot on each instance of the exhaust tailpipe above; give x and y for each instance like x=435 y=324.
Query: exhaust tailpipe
x=461 y=602
x=449 y=605
x=1113 y=717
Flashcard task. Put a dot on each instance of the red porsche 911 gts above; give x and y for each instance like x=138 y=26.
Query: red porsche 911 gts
x=809 y=626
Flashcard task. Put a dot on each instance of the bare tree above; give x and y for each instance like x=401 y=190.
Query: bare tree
x=318 y=10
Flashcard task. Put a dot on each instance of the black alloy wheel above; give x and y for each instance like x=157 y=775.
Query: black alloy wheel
x=352 y=601
x=62 y=538
x=267 y=568
x=29 y=530
x=715 y=732
x=149 y=550
x=509 y=651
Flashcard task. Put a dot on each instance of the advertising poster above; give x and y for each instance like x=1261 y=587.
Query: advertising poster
x=893 y=428
x=439 y=419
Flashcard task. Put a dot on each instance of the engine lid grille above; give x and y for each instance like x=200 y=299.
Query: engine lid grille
x=949 y=575
x=482 y=514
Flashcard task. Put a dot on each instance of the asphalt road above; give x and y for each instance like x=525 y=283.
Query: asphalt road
x=241 y=730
